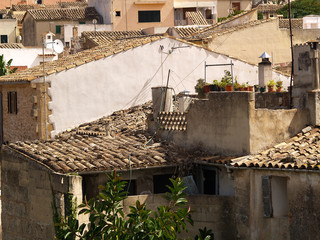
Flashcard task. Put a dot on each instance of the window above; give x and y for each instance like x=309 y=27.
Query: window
x=58 y=29
x=236 y=6
x=149 y=16
x=207 y=180
x=4 y=38
x=82 y=22
x=39 y=1
x=118 y=13
x=274 y=193
x=160 y=182
x=132 y=190
x=12 y=102
x=1 y=16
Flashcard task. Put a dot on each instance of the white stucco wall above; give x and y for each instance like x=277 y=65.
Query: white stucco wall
x=68 y=29
x=103 y=7
x=98 y=88
x=26 y=56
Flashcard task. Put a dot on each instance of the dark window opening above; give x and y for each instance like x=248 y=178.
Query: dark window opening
x=149 y=16
x=118 y=13
x=67 y=44
x=82 y=22
x=4 y=38
x=132 y=187
x=209 y=181
x=39 y=1
x=236 y=6
x=1 y=16
x=160 y=182
x=208 y=14
x=12 y=103
x=58 y=29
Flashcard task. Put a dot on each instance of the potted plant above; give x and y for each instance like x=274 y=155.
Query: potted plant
x=214 y=86
x=271 y=85
x=227 y=80
x=279 y=85
x=250 y=87
x=243 y=87
x=222 y=86
x=199 y=88
x=236 y=86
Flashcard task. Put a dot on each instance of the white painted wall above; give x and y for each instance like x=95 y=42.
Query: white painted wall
x=68 y=29
x=98 y=88
x=26 y=56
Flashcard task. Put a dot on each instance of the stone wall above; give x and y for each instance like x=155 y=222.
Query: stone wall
x=273 y=100
x=301 y=220
x=27 y=197
x=20 y=126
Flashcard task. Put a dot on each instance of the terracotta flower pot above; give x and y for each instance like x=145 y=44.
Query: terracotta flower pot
x=279 y=89
x=229 y=88
x=250 y=88
x=270 y=89
x=206 y=88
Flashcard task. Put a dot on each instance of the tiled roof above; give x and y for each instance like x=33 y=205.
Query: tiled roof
x=18 y=15
x=212 y=32
x=64 y=14
x=186 y=31
x=25 y=7
x=299 y=152
x=269 y=7
x=88 y=148
x=77 y=59
x=3 y=11
x=11 y=45
x=103 y=37
x=196 y=18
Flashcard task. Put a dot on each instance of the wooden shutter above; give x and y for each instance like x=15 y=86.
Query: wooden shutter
x=266 y=196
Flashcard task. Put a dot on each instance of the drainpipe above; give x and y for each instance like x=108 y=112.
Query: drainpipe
x=315 y=61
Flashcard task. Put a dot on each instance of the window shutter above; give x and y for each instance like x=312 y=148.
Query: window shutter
x=15 y=103
x=266 y=196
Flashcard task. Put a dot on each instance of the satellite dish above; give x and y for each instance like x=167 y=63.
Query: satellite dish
x=58 y=46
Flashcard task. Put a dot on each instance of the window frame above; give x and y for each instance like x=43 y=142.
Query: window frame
x=143 y=16
x=6 y=37
x=12 y=99
x=58 y=29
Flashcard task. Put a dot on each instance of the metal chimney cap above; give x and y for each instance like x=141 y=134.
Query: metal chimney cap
x=265 y=55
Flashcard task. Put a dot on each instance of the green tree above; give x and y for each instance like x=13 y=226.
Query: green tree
x=5 y=66
x=301 y=8
x=107 y=220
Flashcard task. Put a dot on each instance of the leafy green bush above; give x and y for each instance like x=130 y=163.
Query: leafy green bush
x=107 y=219
x=301 y=8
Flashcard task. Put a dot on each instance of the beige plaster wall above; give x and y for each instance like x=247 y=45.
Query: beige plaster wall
x=223 y=6
x=228 y=123
x=269 y=126
x=301 y=221
x=249 y=43
x=23 y=125
x=129 y=21
x=9 y=28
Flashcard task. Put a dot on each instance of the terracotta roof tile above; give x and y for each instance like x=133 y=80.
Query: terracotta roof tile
x=196 y=18
x=298 y=152
x=71 y=61
x=269 y=7
x=11 y=45
x=126 y=138
x=83 y=13
x=186 y=31
x=25 y=7
x=104 y=37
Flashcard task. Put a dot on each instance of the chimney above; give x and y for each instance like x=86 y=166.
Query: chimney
x=265 y=70
x=161 y=100
x=314 y=45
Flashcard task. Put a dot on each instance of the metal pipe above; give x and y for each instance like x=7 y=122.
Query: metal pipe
x=292 y=60
x=165 y=93
x=45 y=91
x=273 y=169
x=205 y=71
x=232 y=74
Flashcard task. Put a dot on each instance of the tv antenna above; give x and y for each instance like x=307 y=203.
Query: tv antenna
x=58 y=47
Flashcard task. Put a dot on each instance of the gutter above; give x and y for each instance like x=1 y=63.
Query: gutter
x=272 y=169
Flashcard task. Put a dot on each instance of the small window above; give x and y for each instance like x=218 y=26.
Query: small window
x=160 y=183
x=4 y=38
x=82 y=22
x=149 y=16
x=274 y=193
x=12 y=102
x=1 y=16
x=67 y=44
x=132 y=188
x=58 y=29
x=39 y=1
x=118 y=13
